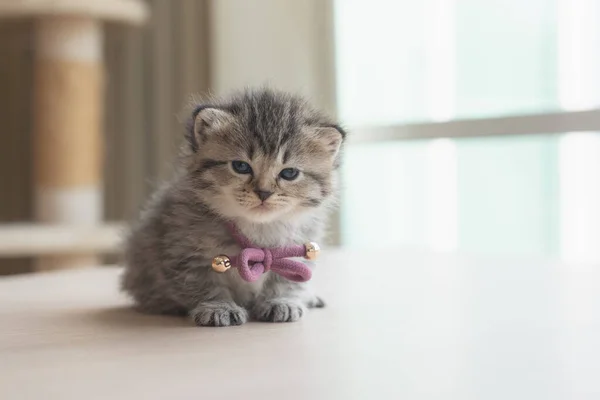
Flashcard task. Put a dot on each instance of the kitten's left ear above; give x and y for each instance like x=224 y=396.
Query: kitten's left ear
x=331 y=136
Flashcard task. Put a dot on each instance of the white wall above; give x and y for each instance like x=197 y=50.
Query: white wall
x=285 y=43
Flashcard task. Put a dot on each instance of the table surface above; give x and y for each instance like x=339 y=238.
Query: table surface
x=411 y=326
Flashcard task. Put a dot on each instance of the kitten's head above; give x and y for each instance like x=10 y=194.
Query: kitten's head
x=262 y=155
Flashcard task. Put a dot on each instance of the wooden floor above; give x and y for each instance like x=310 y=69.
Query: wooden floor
x=397 y=326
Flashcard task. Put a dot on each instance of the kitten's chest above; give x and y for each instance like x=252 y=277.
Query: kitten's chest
x=272 y=236
x=243 y=292
x=265 y=236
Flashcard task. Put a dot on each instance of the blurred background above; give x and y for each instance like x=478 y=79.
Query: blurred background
x=474 y=123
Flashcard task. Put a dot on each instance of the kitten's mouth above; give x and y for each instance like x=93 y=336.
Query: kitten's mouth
x=263 y=207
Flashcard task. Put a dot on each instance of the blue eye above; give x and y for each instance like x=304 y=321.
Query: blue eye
x=289 y=174
x=241 y=167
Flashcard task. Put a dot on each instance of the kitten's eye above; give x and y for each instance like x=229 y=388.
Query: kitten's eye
x=241 y=167
x=289 y=174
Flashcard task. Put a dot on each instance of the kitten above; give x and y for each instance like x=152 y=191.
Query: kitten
x=263 y=160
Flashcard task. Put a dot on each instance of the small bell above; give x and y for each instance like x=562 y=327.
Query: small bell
x=312 y=251
x=221 y=263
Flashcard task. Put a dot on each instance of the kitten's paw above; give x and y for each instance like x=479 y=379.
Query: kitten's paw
x=219 y=313
x=278 y=310
x=316 y=302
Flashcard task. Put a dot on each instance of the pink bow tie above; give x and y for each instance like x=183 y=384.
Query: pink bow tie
x=252 y=262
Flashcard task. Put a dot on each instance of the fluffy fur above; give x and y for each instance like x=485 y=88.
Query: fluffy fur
x=170 y=248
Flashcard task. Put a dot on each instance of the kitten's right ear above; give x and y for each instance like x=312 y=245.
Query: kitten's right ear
x=205 y=120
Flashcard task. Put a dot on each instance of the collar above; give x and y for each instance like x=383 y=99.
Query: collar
x=253 y=261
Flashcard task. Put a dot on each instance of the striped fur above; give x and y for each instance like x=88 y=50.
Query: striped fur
x=183 y=226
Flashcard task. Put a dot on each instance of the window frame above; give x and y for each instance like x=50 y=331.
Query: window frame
x=522 y=124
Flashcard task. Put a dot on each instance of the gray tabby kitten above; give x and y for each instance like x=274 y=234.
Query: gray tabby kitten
x=263 y=160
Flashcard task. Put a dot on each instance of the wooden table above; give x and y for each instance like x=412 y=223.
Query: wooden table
x=421 y=326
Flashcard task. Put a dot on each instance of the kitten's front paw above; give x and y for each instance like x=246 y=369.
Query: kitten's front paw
x=218 y=313
x=278 y=310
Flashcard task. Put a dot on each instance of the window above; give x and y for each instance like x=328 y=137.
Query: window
x=474 y=125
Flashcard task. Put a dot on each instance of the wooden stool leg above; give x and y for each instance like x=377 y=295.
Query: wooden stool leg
x=68 y=108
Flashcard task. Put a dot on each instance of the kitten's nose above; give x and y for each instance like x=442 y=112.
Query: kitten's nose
x=263 y=194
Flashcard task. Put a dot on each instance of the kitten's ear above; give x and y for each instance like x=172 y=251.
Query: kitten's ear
x=205 y=120
x=331 y=137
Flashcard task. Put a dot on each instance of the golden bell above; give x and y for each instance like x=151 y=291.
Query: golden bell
x=221 y=263
x=312 y=251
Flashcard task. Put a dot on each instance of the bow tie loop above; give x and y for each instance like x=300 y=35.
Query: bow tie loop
x=252 y=262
